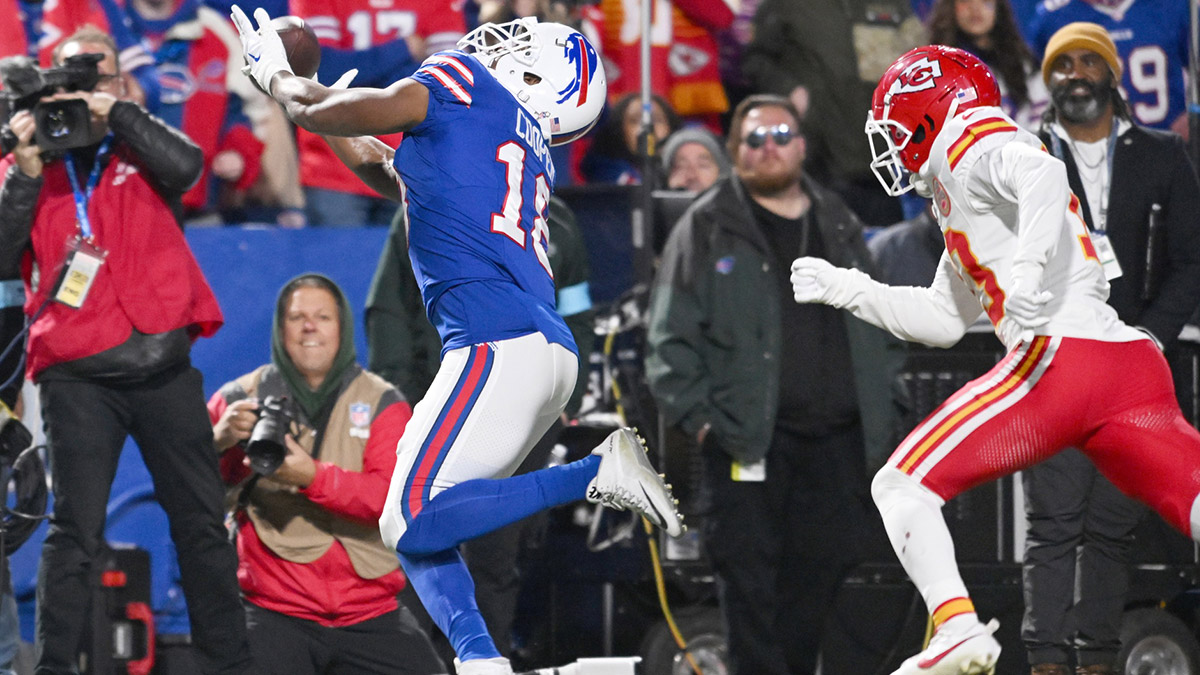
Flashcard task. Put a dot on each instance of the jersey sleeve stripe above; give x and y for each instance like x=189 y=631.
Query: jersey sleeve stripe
x=449 y=83
x=973 y=133
x=458 y=66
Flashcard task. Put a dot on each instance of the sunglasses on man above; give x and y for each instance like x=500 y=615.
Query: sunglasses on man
x=781 y=134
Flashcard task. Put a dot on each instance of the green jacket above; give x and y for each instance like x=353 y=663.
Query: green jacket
x=716 y=325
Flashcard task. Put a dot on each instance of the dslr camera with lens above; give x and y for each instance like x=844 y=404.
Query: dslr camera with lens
x=61 y=125
x=266 y=448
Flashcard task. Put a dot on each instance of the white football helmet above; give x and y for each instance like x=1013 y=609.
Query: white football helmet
x=569 y=95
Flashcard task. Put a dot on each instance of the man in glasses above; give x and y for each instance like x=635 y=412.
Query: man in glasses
x=784 y=456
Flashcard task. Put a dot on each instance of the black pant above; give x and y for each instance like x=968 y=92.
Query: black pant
x=1080 y=531
x=781 y=548
x=86 y=426
x=391 y=644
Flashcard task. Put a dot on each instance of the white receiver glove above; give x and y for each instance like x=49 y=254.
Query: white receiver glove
x=262 y=48
x=1026 y=304
x=816 y=280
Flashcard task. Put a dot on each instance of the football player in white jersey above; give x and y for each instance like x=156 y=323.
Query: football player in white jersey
x=1074 y=376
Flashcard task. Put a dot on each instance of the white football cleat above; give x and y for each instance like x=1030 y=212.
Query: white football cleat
x=627 y=480
x=971 y=651
x=496 y=666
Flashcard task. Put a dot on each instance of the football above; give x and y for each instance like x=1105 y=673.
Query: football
x=300 y=44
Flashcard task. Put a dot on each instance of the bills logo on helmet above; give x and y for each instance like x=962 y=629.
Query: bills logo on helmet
x=582 y=55
x=918 y=76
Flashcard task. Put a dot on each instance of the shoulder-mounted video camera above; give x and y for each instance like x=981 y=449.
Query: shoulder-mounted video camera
x=61 y=125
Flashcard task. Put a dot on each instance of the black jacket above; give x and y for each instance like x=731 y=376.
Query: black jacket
x=715 y=325
x=1150 y=167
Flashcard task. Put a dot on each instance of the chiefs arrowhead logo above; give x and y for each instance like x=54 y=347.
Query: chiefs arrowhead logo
x=918 y=76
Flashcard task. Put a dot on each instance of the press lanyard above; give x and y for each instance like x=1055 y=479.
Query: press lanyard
x=1056 y=144
x=82 y=197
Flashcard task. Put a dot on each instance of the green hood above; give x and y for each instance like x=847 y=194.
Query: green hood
x=314 y=404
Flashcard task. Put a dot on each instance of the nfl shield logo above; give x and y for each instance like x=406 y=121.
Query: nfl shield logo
x=360 y=415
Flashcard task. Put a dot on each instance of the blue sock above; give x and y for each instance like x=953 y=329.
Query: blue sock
x=476 y=507
x=445 y=587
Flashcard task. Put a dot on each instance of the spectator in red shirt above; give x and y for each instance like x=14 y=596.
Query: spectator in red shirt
x=195 y=59
x=320 y=586
x=684 y=63
x=12 y=38
x=385 y=42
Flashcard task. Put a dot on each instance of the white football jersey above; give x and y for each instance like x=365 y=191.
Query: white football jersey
x=1003 y=201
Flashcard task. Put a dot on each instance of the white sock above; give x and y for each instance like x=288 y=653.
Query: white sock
x=912 y=515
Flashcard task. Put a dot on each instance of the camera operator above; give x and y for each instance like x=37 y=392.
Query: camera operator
x=319 y=583
x=115 y=299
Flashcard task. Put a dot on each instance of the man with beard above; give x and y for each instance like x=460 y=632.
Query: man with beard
x=1138 y=191
x=1152 y=39
x=783 y=455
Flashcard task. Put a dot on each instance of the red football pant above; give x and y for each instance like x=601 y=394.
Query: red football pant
x=1113 y=400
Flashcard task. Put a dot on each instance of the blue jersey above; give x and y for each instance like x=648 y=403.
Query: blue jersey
x=477 y=178
x=1151 y=38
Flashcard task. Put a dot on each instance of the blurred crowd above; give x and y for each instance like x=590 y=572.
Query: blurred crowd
x=183 y=62
x=744 y=93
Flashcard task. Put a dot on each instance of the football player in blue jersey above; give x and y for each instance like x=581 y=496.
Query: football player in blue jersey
x=474 y=175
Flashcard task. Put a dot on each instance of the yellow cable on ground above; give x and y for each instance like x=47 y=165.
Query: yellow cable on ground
x=608 y=345
x=661 y=587
x=659 y=583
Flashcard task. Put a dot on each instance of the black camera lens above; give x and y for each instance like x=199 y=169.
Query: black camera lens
x=57 y=125
x=266 y=447
x=63 y=125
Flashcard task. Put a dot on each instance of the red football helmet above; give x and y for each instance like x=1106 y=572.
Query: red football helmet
x=915 y=97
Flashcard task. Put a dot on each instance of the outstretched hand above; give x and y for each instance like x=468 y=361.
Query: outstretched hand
x=262 y=48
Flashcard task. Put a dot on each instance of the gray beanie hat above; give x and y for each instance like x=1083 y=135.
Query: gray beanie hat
x=696 y=135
